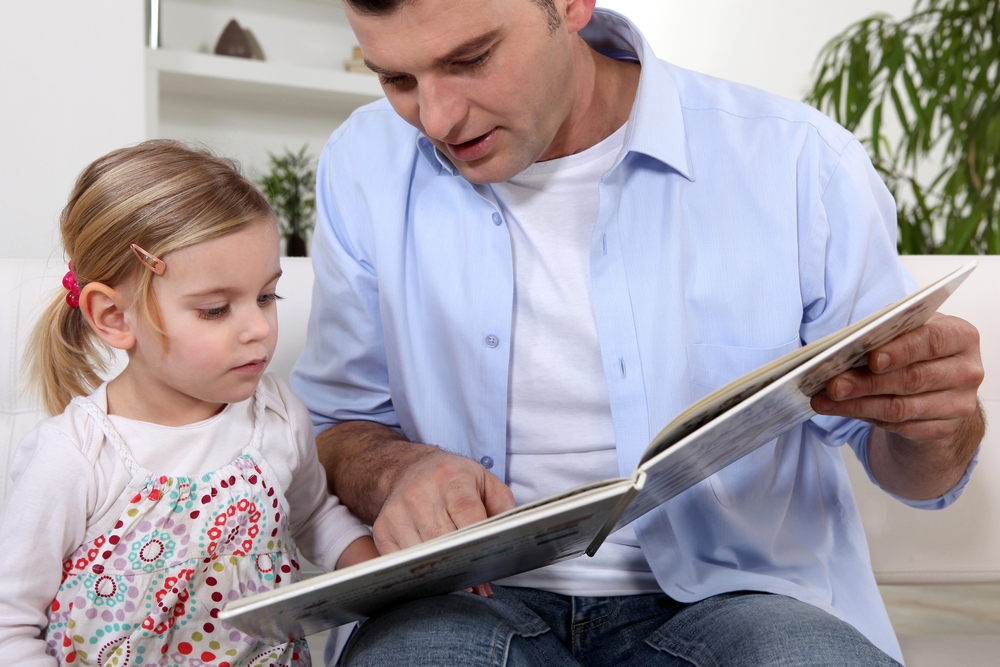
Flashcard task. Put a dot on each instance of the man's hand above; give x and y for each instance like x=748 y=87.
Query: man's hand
x=919 y=392
x=409 y=492
x=434 y=495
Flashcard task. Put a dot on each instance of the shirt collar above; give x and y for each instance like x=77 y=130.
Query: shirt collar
x=656 y=123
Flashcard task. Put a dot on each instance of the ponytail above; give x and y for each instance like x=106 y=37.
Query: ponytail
x=64 y=357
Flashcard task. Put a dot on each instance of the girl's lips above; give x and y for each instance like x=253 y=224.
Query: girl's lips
x=474 y=149
x=253 y=367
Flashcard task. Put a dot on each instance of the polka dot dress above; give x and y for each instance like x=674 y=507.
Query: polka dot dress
x=148 y=592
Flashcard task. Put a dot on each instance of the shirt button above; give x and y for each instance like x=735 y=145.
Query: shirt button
x=497 y=219
x=492 y=341
x=486 y=462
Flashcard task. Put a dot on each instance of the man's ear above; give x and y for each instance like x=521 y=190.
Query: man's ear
x=104 y=310
x=577 y=14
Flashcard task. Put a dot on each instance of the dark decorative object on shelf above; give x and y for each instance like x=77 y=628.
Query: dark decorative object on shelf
x=291 y=190
x=234 y=42
x=255 y=51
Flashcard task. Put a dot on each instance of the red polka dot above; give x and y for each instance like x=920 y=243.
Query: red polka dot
x=71 y=657
x=106 y=554
x=114 y=538
x=185 y=648
x=119 y=525
x=209 y=627
x=211 y=581
x=66 y=641
x=55 y=605
x=217 y=596
x=214 y=613
x=252 y=479
x=207 y=657
x=98 y=568
x=286 y=569
x=206 y=499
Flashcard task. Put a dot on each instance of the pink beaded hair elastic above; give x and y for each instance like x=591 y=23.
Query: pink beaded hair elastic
x=70 y=283
x=153 y=263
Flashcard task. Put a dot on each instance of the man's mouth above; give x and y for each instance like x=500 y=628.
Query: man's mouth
x=474 y=149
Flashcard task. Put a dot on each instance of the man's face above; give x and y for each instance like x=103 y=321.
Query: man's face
x=487 y=81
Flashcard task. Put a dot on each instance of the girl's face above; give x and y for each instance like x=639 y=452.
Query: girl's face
x=217 y=302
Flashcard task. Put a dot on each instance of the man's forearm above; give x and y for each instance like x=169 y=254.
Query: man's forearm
x=924 y=470
x=362 y=460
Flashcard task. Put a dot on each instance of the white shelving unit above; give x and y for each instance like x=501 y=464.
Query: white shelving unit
x=246 y=108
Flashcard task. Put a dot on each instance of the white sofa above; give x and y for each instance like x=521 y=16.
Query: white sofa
x=960 y=545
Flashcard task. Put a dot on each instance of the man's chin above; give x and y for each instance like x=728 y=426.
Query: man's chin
x=490 y=169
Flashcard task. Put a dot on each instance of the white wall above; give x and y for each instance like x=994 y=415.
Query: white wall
x=71 y=82
x=73 y=89
x=770 y=44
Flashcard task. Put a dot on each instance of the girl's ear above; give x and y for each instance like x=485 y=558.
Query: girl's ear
x=104 y=310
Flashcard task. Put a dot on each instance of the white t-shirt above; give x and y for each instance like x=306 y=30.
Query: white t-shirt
x=559 y=428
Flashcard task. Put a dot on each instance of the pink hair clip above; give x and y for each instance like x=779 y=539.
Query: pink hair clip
x=153 y=263
x=70 y=283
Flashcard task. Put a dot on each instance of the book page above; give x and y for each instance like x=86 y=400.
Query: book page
x=523 y=539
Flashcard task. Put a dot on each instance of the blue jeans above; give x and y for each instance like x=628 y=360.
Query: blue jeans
x=523 y=627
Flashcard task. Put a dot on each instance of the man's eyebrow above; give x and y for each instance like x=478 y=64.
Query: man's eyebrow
x=464 y=49
x=222 y=290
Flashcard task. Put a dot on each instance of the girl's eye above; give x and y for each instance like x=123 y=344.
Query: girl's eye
x=265 y=299
x=213 y=313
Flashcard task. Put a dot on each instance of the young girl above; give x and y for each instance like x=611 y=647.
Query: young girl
x=187 y=480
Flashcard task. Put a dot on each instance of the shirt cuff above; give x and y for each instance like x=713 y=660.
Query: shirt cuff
x=942 y=501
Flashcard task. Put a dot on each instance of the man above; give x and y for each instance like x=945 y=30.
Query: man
x=539 y=250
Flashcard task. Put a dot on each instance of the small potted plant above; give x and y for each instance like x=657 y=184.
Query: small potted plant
x=290 y=188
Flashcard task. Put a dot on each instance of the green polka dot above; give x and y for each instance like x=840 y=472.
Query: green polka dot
x=218 y=567
x=215 y=646
x=132 y=512
x=197 y=636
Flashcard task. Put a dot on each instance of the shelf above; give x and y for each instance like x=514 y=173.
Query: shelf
x=240 y=81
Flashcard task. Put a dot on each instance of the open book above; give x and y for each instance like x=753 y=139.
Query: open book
x=717 y=430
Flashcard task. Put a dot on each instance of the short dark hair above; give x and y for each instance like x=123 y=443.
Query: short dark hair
x=385 y=7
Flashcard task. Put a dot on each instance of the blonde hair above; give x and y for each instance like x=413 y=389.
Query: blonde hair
x=162 y=196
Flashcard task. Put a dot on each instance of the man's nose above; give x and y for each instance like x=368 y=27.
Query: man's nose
x=442 y=108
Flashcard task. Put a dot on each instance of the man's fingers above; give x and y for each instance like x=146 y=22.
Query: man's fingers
x=443 y=493
x=892 y=408
x=497 y=496
x=941 y=336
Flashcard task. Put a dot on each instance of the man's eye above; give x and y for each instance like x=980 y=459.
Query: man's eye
x=395 y=81
x=478 y=61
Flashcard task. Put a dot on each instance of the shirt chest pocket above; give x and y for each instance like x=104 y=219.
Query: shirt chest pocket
x=714 y=366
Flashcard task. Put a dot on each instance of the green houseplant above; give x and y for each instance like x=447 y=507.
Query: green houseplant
x=923 y=96
x=290 y=188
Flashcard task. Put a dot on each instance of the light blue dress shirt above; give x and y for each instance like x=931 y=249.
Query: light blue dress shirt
x=734 y=227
